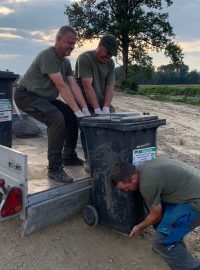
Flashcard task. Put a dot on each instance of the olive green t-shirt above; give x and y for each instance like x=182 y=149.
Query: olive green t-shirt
x=36 y=78
x=170 y=181
x=87 y=66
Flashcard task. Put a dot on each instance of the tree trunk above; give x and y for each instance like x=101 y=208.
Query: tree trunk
x=125 y=60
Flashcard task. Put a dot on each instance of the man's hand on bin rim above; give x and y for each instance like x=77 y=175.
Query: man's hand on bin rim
x=79 y=114
x=97 y=111
x=105 y=110
x=86 y=112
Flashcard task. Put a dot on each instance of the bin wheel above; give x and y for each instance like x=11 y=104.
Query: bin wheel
x=90 y=215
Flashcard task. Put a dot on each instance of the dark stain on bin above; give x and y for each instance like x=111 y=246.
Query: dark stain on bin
x=110 y=139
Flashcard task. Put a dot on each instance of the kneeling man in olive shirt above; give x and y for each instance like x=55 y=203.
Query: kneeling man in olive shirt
x=171 y=190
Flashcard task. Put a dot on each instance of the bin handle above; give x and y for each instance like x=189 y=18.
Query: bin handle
x=17 y=110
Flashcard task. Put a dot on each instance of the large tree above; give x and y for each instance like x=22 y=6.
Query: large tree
x=140 y=26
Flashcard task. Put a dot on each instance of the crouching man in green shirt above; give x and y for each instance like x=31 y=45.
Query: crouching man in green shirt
x=171 y=190
x=95 y=74
x=49 y=75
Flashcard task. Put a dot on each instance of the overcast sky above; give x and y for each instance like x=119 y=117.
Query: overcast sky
x=28 y=26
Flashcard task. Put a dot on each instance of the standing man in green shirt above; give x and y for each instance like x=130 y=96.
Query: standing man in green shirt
x=95 y=74
x=171 y=190
x=49 y=75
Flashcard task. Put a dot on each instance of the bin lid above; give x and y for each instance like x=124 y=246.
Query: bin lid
x=119 y=121
x=8 y=75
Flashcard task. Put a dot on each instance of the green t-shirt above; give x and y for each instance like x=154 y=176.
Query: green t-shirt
x=36 y=78
x=87 y=66
x=170 y=181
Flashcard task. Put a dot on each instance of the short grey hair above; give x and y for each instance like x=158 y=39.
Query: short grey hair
x=66 y=28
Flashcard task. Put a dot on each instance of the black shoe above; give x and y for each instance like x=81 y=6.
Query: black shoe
x=59 y=175
x=74 y=161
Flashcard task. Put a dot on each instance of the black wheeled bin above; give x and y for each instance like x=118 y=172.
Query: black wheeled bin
x=110 y=139
x=6 y=82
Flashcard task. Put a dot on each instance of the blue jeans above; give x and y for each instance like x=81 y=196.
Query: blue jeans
x=178 y=220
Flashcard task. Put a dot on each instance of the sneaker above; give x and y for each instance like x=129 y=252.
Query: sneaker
x=60 y=175
x=74 y=161
x=86 y=166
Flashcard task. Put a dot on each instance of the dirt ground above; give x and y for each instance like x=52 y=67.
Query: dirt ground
x=72 y=245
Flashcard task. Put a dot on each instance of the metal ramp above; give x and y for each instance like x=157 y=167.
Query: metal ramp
x=55 y=204
x=49 y=202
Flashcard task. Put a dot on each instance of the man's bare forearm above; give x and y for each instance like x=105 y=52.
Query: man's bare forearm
x=109 y=93
x=91 y=96
x=154 y=217
x=76 y=91
x=67 y=96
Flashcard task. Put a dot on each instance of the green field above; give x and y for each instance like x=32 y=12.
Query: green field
x=171 y=85
x=189 y=94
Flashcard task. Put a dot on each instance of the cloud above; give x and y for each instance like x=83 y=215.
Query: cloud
x=47 y=37
x=17 y=1
x=88 y=46
x=193 y=46
x=10 y=36
x=9 y=33
x=35 y=15
x=9 y=56
x=184 y=17
x=7 y=29
x=5 y=11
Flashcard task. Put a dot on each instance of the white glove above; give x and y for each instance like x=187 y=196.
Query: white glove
x=79 y=114
x=86 y=112
x=97 y=111
x=105 y=110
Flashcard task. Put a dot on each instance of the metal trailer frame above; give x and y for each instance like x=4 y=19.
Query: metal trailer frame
x=46 y=207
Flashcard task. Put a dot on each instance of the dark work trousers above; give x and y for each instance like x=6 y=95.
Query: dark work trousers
x=61 y=122
x=82 y=134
